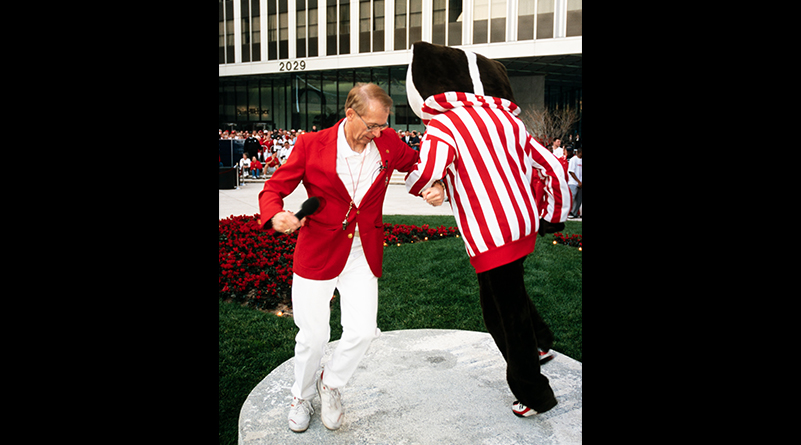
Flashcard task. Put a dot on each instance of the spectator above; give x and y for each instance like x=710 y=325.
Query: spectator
x=271 y=163
x=557 y=148
x=574 y=183
x=244 y=165
x=255 y=167
x=414 y=141
x=284 y=152
x=251 y=146
x=560 y=154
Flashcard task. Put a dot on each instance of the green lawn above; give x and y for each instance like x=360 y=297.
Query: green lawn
x=428 y=285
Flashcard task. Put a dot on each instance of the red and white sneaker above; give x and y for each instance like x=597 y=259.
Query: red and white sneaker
x=546 y=356
x=521 y=410
x=299 y=415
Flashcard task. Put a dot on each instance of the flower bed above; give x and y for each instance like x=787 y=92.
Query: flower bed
x=398 y=234
x=572 y=240
x=256 y=265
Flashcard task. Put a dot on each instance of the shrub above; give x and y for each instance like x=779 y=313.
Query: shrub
x=572 y=240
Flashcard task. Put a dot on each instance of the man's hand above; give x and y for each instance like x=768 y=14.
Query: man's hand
x=434 y=195
x=285 y=222
x=546 y=227
x=576 y=179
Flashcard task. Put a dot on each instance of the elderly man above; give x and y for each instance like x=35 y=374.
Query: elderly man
x=348 y=166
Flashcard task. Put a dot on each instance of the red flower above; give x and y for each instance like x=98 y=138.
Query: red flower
x=256 y=265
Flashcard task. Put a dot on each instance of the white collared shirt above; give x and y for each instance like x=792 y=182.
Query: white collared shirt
x=349 y=163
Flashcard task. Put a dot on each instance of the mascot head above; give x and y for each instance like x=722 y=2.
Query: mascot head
x=436 y=69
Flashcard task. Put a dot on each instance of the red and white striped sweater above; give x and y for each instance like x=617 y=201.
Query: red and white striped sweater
x=490 y=166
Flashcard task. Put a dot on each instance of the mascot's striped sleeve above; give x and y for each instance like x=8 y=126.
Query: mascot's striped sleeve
x=489 y=164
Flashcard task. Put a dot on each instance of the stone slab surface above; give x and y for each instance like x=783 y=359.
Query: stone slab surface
x=418 y=387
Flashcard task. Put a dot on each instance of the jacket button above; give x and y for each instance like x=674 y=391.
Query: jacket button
x=350 y=235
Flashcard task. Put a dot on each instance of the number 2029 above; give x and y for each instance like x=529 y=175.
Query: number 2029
x=292 y=66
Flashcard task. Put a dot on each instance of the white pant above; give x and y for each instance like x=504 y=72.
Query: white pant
x=358 y=290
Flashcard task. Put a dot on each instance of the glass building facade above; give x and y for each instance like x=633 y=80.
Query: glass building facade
x=290 y=63
x=305 y=99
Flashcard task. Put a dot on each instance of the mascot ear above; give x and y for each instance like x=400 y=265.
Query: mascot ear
x=414 y=98
x=436 y=69
x=495 y=79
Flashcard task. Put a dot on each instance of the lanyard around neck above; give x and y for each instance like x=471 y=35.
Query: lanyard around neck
x=355 y=187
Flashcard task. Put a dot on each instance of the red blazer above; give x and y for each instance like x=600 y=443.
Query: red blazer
x=323 y=247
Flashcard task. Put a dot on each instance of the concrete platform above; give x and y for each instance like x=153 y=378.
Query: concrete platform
x=421 y=387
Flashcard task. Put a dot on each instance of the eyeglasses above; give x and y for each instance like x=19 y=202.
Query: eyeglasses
x=371 y=127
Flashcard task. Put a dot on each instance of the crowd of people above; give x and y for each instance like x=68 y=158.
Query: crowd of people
x=267 y=150
x=264 y=151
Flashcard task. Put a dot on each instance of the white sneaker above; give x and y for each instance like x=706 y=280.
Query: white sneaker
x=332 y=412
x=299 y=414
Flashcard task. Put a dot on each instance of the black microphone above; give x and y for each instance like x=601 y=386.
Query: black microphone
x=308 y=207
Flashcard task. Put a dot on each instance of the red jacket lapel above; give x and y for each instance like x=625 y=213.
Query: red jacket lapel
x=327 y=150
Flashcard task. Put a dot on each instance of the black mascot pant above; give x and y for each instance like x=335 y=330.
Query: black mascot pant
x=518 y=329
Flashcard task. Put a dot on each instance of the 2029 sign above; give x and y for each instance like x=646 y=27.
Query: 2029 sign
x=292 y=66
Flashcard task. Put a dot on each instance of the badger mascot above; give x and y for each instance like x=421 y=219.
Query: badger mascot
x=492 y=170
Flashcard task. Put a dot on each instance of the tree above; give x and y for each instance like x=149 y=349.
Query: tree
x=548 y=125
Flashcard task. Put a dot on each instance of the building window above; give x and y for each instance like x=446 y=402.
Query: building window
x=331 y=27
x=272 y=30
x=447 y=16
x=438 y=22
x=266 y=103
x=480 y=21
x=344 y=84
x=400 y=25
x=525 y=20
x=254 y=110
x=344 y=26
x=498 y=21
x=415 y=21
x=226 y=31
x=364 y=26
x=403 y=116
x=408 y=17
x=222 y=32
x=455 y=22
x=489 y=20
x=251 y=37
x=573 y=18
x=545 y=10
x=371 y=25
x=378 y=25
x=300 y=15
x=245 y=8
x=277 y=29
x=337 y=27
x=283 y=29
x=313 y=28
x=306 y=28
